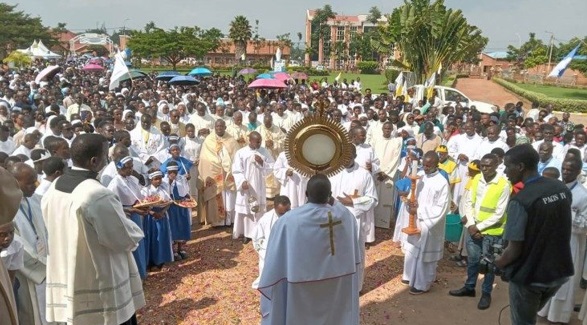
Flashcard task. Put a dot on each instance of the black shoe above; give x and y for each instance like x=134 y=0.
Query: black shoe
x=406 y=282
x=462 y=292
x=484 y=302
x=414 y=291
x=246 y=240
x=577 y=308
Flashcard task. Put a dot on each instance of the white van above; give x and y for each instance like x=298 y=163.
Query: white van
x=450 y=96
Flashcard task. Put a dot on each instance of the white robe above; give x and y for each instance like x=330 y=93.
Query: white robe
x=559 y=308
x=302 y=282
x=192 y=152
x=294 y=186
x=359 y=180
x=423 y=251
x=365 y=154
x=31 y=230
x=7 y=146
x=466 y=145
x=260 y=239
x=109 y=172
x=486 y=146
x=388 y=153
x=245 y=168
x=202 y=122
x=91 y=240
x=154 y=147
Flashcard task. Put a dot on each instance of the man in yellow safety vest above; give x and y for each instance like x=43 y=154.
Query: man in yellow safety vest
x=485 y=211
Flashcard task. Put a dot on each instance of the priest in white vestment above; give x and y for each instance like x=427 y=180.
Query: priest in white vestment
x=274 y=142
x=250 y=167
x=202 y=121
x=462 y=149
x=366 y=159
x=355 y=189
x=424 y=250
x=237 y=130
x=387 y=150
x=147 y=141
x=31 y=231
x=92 y=277
x=293 y=184
x=491 y=142
x=263 y=230
x=559 y=308
x=320 y=240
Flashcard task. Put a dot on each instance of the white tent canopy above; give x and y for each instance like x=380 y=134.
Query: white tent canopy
x=39 y=50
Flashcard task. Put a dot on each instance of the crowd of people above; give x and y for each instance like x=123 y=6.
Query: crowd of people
x=83 y=156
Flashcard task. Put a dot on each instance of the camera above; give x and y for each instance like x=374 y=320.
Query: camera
x=487 y=263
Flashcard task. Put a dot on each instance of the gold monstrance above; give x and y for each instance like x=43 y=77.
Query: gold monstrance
x=318 y=144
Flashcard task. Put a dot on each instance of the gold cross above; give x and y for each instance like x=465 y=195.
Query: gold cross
x=330 y=226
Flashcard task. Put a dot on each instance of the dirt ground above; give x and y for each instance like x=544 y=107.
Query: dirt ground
x=213 y=286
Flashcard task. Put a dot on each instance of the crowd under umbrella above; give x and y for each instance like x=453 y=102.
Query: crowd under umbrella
x=267 y=83
x=200 y=71
x=93 y=67
x=48 y=73
x=247 y=71
x=184 y=81
x=167 y=75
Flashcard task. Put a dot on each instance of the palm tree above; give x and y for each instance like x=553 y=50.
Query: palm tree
x=240 y=32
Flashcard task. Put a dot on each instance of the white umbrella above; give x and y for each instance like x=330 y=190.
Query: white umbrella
x=49 y=72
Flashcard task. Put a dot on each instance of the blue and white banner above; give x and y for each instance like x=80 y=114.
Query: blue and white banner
x=562 y=66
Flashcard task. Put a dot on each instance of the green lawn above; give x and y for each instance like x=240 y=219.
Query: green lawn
x=556 y=92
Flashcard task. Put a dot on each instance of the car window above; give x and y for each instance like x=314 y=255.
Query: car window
x=454 y=96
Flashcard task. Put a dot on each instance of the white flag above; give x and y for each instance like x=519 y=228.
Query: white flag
x=119 y=71
x=562 y=66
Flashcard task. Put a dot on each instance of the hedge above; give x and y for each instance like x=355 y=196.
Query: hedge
x=368 y=67
x=559 y=104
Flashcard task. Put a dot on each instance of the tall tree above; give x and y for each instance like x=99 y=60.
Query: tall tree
x=530 y=54
x=19 y=30
x=374 y=15
x=429 y=35
x=320 y=30
x=240 y=32
x=284 y=40
x=174 y=45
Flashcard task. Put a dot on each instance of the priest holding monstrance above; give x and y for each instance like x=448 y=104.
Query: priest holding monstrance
x=313 y=256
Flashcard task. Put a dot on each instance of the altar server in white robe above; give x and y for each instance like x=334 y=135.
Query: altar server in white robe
x=92 y=277
x=559 y=308
x=462 y=149
x=424 y=250
x=282 y=204
x=31 y=231
x=293 y=184
x=148 y=142
x=191 y=150
x=320 y=240
x=250 y=167
x=387 y=150
x=355 y=189
x=367 y=159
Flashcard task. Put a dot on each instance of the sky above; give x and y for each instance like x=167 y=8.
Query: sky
x=503 y=21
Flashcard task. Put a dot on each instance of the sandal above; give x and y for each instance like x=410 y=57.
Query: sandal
x=183 y=255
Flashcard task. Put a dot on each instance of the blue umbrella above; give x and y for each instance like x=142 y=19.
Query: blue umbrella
x=265 y=76
x=200 y=71
x=184 y=81
x=167 y=75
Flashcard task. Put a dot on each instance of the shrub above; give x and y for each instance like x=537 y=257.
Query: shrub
x=368 y=67
x=391 y=75
x=565 y=105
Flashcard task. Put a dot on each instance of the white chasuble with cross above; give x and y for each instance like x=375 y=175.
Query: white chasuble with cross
x=302 y=281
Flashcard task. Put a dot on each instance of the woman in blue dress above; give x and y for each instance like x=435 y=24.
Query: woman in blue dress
x=128 y=190
x=157 y=224
x=179 y=217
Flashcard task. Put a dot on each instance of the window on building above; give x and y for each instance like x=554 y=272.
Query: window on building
x=340 y=33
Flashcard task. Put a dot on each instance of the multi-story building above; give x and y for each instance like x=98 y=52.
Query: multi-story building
x=343 y=29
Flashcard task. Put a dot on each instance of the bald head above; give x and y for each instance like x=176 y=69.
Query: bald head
x=255 y=140
x=319 y=189
x=26 y=177
x=120 y=151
